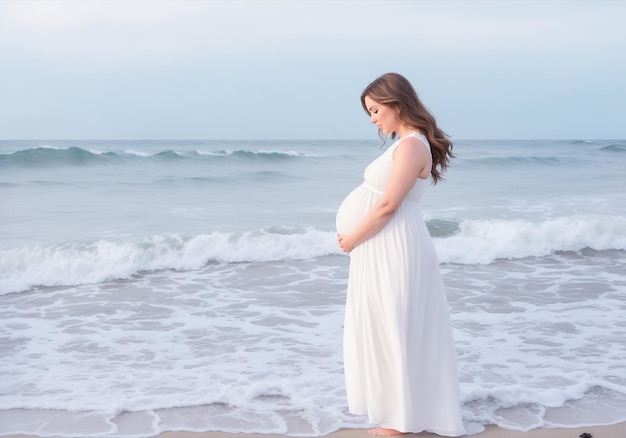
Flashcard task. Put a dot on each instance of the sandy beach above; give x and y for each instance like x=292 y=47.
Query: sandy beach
x=612 y=431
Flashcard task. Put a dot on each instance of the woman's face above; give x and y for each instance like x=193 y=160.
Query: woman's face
x=382 y=116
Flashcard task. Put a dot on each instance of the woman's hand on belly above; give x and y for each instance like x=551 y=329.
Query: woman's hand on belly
x=345 y=242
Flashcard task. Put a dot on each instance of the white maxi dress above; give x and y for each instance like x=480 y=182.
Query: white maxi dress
x=399 y=358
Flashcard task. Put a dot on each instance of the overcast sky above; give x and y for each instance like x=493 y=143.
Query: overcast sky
x=183 y=69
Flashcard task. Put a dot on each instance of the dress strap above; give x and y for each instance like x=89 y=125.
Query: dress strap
x=417 y=135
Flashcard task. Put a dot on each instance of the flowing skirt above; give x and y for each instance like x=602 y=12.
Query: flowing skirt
x=399 y=357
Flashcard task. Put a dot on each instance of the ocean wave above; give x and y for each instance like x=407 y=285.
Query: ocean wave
x=523 y=161
x=48 y=156
x=614 y=148
x=76 y=156
x=468 y=242
x=484 y=241
x=442 y=227
x=266 y=154
x=76 y=263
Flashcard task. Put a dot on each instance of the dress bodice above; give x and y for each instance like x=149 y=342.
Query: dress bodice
x=378 y=172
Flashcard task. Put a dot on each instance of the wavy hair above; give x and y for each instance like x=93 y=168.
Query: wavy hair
x=396 y=91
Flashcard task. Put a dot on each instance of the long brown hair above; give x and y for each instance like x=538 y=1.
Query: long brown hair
x=396 y=91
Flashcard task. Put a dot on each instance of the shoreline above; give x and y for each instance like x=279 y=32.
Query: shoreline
x=491 y=431
x=611 y=431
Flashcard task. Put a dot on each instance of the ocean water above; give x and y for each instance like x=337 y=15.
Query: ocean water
x=197 y=285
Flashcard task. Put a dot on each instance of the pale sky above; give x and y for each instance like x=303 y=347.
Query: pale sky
x=294 y=69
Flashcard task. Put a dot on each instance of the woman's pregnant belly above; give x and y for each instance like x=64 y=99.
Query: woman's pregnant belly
x=353 y=209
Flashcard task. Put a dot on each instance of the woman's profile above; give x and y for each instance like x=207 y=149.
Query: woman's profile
x=399 y=358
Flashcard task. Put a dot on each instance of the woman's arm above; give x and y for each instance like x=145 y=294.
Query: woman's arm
x=410 y=160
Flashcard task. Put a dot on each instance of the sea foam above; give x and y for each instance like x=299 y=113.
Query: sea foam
x=474 y=241
x=483 y=241
x=91 y=262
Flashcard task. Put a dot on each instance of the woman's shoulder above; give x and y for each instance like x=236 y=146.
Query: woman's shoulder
x=414 y=139
x=412 y=144
x=422 y=137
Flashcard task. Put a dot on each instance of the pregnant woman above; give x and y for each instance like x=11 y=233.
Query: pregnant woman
x=399 y=357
